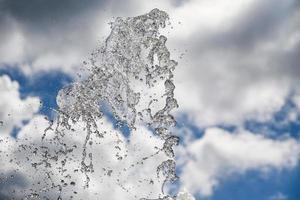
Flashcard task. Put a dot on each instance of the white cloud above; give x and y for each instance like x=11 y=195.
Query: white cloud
x=136 y=178
x=13 y=109
x=20 y=158
x=185 y=196
x=12 y=47
x=220 y=154
x=229 y=99
x=237 y=70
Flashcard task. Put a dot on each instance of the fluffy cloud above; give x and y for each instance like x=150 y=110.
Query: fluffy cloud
x=220 y=154
x=42 y=36
x=239 y=65
x=112 y=176
x=13 y=109
x=184 y=196
x=241 y=68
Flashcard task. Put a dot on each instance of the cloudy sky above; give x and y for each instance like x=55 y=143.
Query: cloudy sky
x=237 y=83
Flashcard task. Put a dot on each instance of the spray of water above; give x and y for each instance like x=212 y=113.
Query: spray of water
x=130 y=76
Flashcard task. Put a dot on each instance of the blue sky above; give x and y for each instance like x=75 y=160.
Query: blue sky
x=44 y=85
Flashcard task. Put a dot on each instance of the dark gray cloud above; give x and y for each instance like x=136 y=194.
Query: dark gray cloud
x=50 y=33
x=290 y=64
x=40 y=14
x=9 y=182
x=261 y=22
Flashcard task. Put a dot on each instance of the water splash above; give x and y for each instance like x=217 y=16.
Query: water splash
x=133 y=60
x=132 y=75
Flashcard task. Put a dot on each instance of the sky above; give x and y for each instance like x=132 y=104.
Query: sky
x=237 y=83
